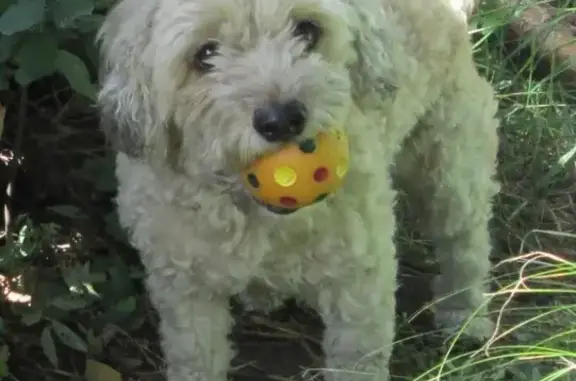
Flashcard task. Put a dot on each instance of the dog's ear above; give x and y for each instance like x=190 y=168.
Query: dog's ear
x=122 y=114
x=372 y=72
x=126 y=98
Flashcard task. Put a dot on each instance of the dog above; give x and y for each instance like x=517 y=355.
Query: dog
x=181 y=84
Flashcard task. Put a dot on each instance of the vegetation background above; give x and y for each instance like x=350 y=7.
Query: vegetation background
x=73 y=306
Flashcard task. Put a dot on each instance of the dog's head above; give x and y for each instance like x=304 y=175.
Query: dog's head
x=207 y=85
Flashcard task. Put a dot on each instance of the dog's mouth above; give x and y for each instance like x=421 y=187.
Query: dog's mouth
x=280 y=211
x=276 y=209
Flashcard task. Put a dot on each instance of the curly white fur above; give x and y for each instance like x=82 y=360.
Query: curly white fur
x=397 y=74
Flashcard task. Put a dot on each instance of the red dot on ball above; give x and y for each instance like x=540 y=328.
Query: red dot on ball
x=321 y=174
x=289 y=202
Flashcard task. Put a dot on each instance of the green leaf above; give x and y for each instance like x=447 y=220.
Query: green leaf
x=4 y=85
x=76 y=72
x=4 y=357
x=95 y=343
x=100 y=172
x=78 y=277
x=65 y=12
x=114 y=228
x=31 y=318
x=7 y=46
x=69 y=337
x=69 y=211
x=21 y=16
x=3 y=369
x=22 y=78
x=126 y=306
x=5 y=4
x=36 y=57
x=97 y=371
x=48 y=346
x=88 y=24
x=104 y=4
x=69 y=303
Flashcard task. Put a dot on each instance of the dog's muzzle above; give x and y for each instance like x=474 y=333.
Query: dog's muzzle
x=276 y=209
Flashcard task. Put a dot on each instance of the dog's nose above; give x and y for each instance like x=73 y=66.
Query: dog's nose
x=280 y=122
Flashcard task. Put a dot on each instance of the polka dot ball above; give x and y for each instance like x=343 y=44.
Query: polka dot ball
x=300 y=174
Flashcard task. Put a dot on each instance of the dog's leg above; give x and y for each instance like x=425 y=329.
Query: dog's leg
x=360 y=320
x=194 y=328
x=463 y=161
x=360 y=323
x=358 y=305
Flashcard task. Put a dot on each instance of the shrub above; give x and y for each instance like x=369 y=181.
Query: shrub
x=40 y=38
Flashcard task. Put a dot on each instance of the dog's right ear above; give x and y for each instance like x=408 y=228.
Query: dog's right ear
x=125 y=97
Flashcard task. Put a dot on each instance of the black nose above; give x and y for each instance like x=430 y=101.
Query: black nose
x=280 y=122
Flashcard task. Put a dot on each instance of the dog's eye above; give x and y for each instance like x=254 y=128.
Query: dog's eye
x=204 y=54
x=309 y=31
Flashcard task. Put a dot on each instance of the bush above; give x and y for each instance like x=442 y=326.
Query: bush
x=62 y=304
x=40 y=38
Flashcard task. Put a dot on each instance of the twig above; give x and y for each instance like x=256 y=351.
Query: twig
x=14 y=164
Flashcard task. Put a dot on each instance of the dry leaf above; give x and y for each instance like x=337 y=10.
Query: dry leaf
x=97 y=371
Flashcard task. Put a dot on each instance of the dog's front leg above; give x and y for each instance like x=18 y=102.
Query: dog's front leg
x=194 y=327
x=359 y=334
x=358 y=304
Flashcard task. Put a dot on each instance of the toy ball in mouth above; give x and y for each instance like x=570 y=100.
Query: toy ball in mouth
x=299 y=174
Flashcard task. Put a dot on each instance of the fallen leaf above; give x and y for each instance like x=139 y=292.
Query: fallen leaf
x=97 y=371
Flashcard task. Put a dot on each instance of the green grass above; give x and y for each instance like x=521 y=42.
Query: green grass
x=532 y=341
x=534 y=228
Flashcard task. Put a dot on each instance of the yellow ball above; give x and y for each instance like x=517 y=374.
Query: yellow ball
x=300 y=174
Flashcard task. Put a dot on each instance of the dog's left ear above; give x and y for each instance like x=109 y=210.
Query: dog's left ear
x=372 y=72
x=131 y=118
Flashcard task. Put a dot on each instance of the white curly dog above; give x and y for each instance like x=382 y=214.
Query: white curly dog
x=193 y=90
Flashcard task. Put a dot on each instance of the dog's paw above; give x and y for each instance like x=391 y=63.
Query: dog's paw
x=477 y=327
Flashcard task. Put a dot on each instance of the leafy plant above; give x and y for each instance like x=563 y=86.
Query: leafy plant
x=77 y=304
x=39 y=38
